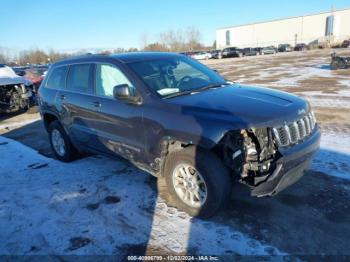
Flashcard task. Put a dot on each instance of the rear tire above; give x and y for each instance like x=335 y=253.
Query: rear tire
x=208 y=183
x=60 y=143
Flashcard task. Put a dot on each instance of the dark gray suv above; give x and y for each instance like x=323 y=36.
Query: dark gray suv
x=180 y=121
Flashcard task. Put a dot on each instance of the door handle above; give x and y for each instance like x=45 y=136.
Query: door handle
x=62 y=97
x=96 y=104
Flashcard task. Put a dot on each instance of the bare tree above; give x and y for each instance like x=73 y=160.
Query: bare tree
x=54 y=56
x=179 y=40
x=119 y=50
x=4 y=57
x=132 y=49
x=144 y=40
x=156 y=47
x=173 y=40
x=193 y=37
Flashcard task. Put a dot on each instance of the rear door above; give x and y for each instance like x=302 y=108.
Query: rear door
x=78 y=103
x=118 y=124
x=51 y=89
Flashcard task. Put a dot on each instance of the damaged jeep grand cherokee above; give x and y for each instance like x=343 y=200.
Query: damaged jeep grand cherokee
x=181 y=122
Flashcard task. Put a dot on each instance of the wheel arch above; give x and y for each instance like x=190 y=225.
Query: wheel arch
x=48 y=118
x=170 y=144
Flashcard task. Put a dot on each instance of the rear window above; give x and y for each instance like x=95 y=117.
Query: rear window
x=79 y=78
x=57 y=78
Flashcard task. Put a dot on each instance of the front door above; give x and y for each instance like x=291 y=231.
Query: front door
x=118 y=124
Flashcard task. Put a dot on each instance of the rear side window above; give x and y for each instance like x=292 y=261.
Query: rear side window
x=79 y=78
x=57 y=78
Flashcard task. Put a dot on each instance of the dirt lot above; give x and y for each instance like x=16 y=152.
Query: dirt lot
x=310 y=218
x=306 y=74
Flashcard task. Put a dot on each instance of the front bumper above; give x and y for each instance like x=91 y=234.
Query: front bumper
x=291 y=166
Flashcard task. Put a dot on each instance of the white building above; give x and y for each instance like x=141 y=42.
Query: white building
x=332 y=27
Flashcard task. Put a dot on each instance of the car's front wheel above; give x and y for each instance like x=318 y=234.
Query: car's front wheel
x=197 y=181
x=60 y=143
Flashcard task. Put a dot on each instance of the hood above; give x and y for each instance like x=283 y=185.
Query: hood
x=9 y=77
x=245 y=105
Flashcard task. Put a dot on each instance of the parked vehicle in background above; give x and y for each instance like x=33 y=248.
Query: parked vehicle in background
x=15 y=91
x=259 y=50
x=181 y=122
x=285 y=48
x=345 y=44
x=189 y=54
x=232 y=52
x=19 y=70
x=203 y=55
x=216 y=54
x=35 y=75
x=268 y=50
x=339 y=62
x=250 y=51
x=300 y=47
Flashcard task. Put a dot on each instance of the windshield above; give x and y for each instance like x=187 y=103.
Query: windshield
x=175 y=75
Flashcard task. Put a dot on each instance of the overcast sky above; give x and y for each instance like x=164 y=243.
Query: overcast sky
x=74 y=24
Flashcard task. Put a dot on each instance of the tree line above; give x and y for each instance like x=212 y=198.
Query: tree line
x=169 y=41
x=31 y=56
x=174 y=41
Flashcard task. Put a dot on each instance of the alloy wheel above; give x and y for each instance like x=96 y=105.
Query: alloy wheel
x=58 y=142
x=189 y=185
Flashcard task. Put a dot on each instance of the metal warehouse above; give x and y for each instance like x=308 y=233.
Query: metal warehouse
x=328 y=27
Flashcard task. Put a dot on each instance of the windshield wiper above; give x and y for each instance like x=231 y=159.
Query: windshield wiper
x=197 y=90
x=183 y=93
x=210 y=86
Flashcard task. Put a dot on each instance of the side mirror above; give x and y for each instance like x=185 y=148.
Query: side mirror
x=121 y=92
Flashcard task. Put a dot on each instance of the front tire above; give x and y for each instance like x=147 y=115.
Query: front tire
x=197 y=181
x=60 y=143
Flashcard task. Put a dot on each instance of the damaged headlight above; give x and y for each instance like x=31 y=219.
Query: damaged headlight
x=260 y=155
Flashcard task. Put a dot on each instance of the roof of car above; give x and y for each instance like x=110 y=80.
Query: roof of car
x=123 y=57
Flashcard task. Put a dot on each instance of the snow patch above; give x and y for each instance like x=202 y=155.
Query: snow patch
x=62 y=209
x=334 y=156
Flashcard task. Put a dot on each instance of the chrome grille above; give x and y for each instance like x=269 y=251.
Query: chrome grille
x=292 y=133
x=301 y=126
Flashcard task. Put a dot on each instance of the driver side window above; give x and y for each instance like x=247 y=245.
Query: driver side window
x=183 y=69
x=107 y=77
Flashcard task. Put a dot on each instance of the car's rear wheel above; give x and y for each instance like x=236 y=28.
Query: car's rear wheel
x=197 y=181
x=60 y=143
